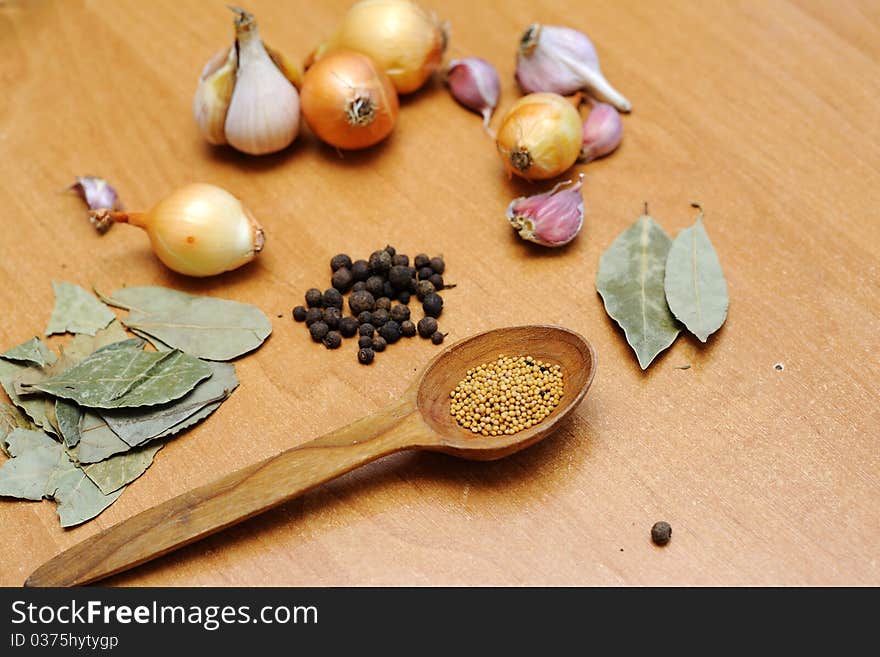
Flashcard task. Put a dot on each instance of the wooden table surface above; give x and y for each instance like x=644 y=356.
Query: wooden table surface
x=766 y=112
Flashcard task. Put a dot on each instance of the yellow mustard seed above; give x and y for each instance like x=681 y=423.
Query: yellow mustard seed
x=507 y=395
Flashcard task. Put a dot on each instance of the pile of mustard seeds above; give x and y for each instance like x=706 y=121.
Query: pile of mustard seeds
x=507 y=395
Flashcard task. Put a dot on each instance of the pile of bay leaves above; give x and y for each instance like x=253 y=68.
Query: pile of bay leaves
x=89 y=420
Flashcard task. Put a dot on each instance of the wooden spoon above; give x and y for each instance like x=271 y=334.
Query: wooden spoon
x=420 y=419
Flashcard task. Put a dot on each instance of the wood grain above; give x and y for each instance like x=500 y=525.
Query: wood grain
x=764 y=112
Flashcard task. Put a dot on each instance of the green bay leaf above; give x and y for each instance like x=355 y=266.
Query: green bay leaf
x=112 y=474
x=631 y=282
x=77 y=311
x=12 y=418
x=96 y=440
x=84 y=345
x=33 y=405
x=32 y=352
x=69 y=416
x=696 y=289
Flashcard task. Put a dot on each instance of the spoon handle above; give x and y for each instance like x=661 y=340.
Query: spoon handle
x=235 y=497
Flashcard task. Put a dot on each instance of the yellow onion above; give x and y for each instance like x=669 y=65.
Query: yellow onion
x=540 y=136
x=199 y=230
x=403 y=39
x=348 y=102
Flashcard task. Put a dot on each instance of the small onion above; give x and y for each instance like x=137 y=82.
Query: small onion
x=348 y=102
x=199 y=230
x=540 y=136
x=403 y=39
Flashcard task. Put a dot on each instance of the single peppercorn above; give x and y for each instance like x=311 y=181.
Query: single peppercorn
x=340 y=260
x=411 y=288
x=400 y=259
x=299 y=314
x=365 y=317
x=359 y=286
x=437 y=281
x=358 y=302
x=366 y=329
x=404 y=297
x=383 y=303
x=314 y=315
x=400 y=313
x=407 y=329
x=421 y=260
x=427 y=327
x=380 y=262
x=438 y=337
x=342 y=280
x=318 y=330
x=391 y=250
x=390 y=330
x=423 y=289
x=333 y=340
x=360 y=270
x=348 y=326
x=331 y=317
x=365 y=356
x=399 y=277
x=437 y=264
x=365 y=341
x=379 y=343
x=313 y=298
x=388 y=289
x=433 y=305
x=376 y=286
x=380 y=317
x=332 y=298
x=425 y=273
x=661 y=532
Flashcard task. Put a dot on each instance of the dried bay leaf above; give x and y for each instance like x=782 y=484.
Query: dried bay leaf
x=118 y=471
x=68 y=415
x=696 y=289
x=158 y=345
x=84 y=345
x=32 y=352
x=207 y=327
x=77 y=311
x=33 y=405
x=631 y=282
x=120 y=378
x=192 y=420
x=12 y=418
x=96 y=440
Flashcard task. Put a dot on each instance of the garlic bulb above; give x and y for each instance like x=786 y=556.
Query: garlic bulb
x=246 y=95
x=553 y=218
x=199 y=230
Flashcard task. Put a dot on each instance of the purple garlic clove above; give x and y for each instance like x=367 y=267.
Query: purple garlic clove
x=474 y=83
x=98 y=195
x=603 y=131
x=553 y=218
x=564 y=61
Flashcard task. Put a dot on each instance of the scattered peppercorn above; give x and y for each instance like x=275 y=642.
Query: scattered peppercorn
x=383 y=303
x=380 y=317
x=313 y=298
x=399 y=259
x=400 y=313
x=376 y=286
x=427 y=327
x=438 y=265
x=365 y=341
x=379 y=343
x=437 y=281
x=339 y=261
x=404 y=297
x=332 y=298
x=299 y=314
x=365 y=317
x=661 y=532
x=391 y=250
x=365 y=356
x=361 y=301
x=333 y=340
x=314 y=315
x=380 y=262
x=318 y=330
x=348 y=326
x=438 y=337
x=411 y=288
x=423 y=289
x=421 y=260
x=359 y=286
x=366 y=329
x=390 y=330
x=425 y=273
x=433 y=305
x=331 y=317
x=399 y=277
x=407 y=329
x=388 y=289
x=342 y=279
x=360 y=270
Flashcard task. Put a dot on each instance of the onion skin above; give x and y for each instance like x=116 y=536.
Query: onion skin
x=333 y=86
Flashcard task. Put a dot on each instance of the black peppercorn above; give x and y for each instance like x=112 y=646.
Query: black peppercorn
x=400 y=313
x=432 y=305
x=348 y=326
x=437 y=338
x=391 y=250
x=380 y=262
x=365 y=341
x=318 y=331
x=411 y=288
x=388 y=289
x=299 y=314
x=358 y=302
x=313 y=298
x=314 y=315
x=423 y=289
x=427 y=327
x=365 y=317
x=661 y=532
x=332 y=298
x=366 y=329
x=380 y=317
x=376 y=286
x=359 y=286
x=404 y=297
x=383 y=303
x=379 y=343
x=342 y=279
x=399 y=277
x=407 y=329
x=437 y=281
x=390 y=330
x=333 y=340
x=331 y=317
x=421 y=260
x=365 y=356
x=360 y=270
x=400 y=259
x=438 y=265
x=425 y=273
x=339 y=261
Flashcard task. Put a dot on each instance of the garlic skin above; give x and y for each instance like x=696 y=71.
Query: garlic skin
x=563 y=60
x=247 y=96
x=474 y=83
x=540 y=136
x=602 y=132
x=550 y=219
